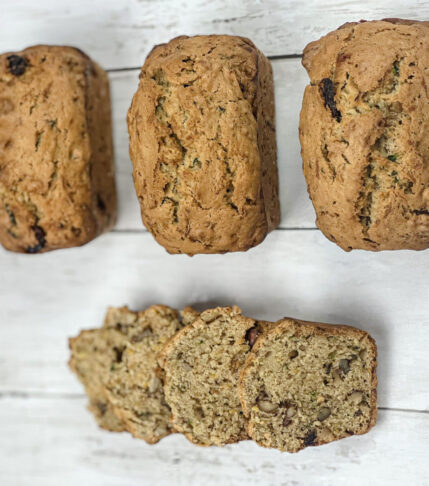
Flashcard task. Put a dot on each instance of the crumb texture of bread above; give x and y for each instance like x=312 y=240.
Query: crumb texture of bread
x=202 y=143
x=117 y=365
x=92 y=354
x=201 y=365
x=133 y=387
x=307 y=384
x=57 y=186
x=364 y=129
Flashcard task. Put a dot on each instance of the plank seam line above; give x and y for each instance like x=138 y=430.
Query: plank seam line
x=277 y=57
x=60 y=395
x=405 y=410
x=133 y=231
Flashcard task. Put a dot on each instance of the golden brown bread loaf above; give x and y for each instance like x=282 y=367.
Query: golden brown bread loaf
x=202 y=143
x=364 y=134
x=57 y=185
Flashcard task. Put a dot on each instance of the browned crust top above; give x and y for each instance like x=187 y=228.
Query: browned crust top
x=363 y=132
x=57 y=185
x=205 y=171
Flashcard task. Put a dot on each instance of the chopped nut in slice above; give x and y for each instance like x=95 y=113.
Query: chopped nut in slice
x=337 y=377
x=323 y=414
x=356 y=397
x=324 y=435
x=291 y=411
x=266 y=406
x=344 y=365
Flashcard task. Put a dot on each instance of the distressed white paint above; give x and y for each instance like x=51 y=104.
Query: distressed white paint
x=47 y=437
x=60 y=444
x=121 y=33
x=297 y=273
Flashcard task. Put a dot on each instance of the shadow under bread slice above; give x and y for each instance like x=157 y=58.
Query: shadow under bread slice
x=200 y=368
x=116 y=363
x=307 y=384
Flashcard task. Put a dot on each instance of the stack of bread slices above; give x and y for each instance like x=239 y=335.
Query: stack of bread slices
x=219 y=377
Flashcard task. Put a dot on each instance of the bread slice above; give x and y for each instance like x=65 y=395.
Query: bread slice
x=92 y=354
x=307 y=384
x=117 y=366
x=201 y=365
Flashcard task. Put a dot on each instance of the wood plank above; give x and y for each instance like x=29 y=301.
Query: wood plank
x=47 y=439
x=46 y=298
x=120 y=34
x=290 y=80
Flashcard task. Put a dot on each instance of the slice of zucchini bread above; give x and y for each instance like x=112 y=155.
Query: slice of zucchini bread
x=201 y=365
x=307 y=384
x=117 y=366
x=93 y=353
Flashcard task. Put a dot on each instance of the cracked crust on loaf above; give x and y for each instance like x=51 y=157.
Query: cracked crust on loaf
x=202 y=143
x=57 y=186
x=364 y=134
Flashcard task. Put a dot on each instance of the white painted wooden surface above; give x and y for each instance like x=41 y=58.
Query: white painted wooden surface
x=71 y=450
x=119 y=33
x=46 y=435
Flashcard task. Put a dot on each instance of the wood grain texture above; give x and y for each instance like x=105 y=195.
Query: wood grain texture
x=294 y=273
x=120 y=34
x=59 y=444
x=290 y=80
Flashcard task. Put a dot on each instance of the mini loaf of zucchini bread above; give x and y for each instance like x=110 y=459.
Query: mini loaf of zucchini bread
x=307 y=384
x=117 y=365
x=202 y=143
x=57 y=185
x=200 y=367
x=364 y=133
